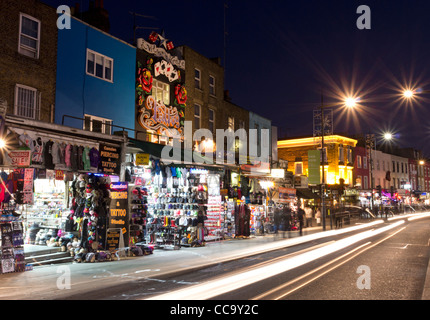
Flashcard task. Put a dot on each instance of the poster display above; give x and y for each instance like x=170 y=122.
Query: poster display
x=12 y=247
x=314 y=158
x=213 y=222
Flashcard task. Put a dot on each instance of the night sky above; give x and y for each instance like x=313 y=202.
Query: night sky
x=281 y=55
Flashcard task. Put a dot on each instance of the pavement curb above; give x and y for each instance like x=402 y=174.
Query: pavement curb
x=426 y=289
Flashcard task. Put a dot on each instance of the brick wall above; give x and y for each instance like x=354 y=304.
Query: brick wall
x=194 y=60
x=16 y=68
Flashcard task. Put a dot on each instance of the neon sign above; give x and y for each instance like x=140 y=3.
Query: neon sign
x=161 y=116
x=153 y=115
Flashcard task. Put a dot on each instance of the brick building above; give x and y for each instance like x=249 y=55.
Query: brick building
x=204 y=81
x=28 y=58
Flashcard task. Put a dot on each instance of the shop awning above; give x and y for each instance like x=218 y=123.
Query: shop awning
x=155 y=150
x=306 y=193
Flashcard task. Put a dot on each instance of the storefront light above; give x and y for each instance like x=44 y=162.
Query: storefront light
x=266 y=184
x=277 y=173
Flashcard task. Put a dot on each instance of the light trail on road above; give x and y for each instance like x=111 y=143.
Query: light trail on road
x=235 y=281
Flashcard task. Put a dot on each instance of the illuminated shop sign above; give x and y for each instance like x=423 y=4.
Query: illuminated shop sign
x=160 y=65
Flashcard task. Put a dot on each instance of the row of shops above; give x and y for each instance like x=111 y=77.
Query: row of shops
x=97 y=196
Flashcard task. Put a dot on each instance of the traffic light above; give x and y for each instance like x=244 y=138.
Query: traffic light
x=392 y=190
x=342 y=185
x=379 y=190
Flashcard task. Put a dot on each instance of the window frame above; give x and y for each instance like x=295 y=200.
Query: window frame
x=104 y=124
x=36 y=101
x=212 y=90
x=104 y=57
x=22 y=47
x=156 y=86
x=199 y=116
x=211 y=121
x=197 y=80
x=230 y=123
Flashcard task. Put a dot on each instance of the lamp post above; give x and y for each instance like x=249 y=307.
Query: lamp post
x=370 y=146
x=349 y=102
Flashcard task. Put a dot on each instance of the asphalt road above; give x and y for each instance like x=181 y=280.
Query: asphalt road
x=389 y=263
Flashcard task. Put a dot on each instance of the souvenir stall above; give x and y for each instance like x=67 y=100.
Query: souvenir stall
x=12 y=242
x=172 y=205
x=60 y=186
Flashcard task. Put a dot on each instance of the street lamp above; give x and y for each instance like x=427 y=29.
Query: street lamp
x=349 y=102
x=408 y=93
x=388 y=136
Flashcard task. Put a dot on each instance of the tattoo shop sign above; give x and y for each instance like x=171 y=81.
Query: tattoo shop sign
x=118 y=210
x=110 y=159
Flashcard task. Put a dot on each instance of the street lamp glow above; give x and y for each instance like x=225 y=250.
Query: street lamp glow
x=408 y=94
x=350 y=102
x=388 y=136
x=2 y=143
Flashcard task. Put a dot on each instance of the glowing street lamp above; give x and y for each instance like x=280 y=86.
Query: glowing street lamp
x=349 y=102
x=388 y=136
x=408 y=94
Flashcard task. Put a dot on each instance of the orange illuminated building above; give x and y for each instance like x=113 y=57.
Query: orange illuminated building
x=339 y=156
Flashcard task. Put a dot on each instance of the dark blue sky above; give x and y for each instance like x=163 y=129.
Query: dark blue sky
x=281 y=54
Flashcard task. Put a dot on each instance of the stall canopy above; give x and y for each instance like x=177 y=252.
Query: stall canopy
x=306 y=193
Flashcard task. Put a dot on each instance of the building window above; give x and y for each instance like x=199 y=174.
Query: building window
x=161 y=92
x=298 y=168
x=341 y=158
x=364 y=162
x=29 y=36
x=197 y=78
x=365 y=183
x=197 y=116
x=358 y=182
x=230 y=123
x=97 y=124
x=99 y=66
x=359 y=165
x=211 y=120
x=349 y=155
x=211 y=85
x=27 y=102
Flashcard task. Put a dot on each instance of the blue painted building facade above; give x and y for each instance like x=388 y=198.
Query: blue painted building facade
x=95 y=80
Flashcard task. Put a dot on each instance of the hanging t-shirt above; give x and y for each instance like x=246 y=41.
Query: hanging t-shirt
x=26 y=140
x=47 y=153
x=62 y=153
x=74 y=158
x=55 y=156
x=37 y=156
x=94 y=157
x=80 y=158
x=86 y=159
x=67 y=155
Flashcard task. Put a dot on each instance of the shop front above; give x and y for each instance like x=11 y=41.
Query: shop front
x=172 y=205
x=57 y=182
